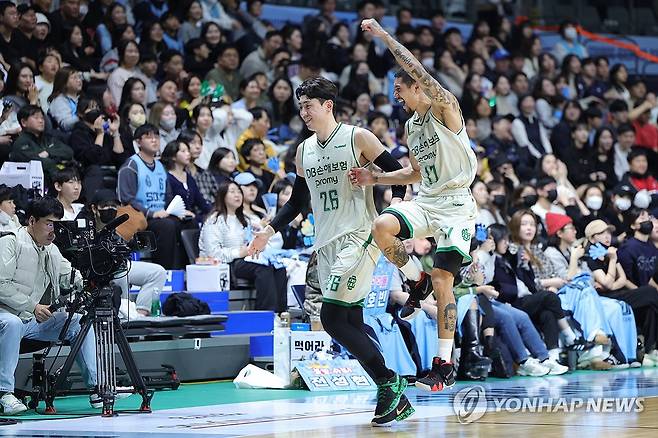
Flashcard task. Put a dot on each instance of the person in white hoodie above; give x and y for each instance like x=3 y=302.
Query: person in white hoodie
x=8 y=219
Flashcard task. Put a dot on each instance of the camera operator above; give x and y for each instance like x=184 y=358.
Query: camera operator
x=150 y=277
x=143 y=184
x=31 y=266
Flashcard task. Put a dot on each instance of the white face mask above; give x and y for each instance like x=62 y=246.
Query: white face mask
x=386 y=109
x=623 y=204
x=594 y=202
x=570 y=33
x=428 y=63
x=642 y=199
x=84 y=8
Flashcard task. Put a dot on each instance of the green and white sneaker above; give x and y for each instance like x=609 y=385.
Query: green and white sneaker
x=389 y=394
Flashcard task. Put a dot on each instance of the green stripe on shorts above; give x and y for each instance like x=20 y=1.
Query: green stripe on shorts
x=467 y=258
x=406 y=221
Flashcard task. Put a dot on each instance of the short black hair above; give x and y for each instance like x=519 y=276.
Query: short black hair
x=187 y=135
x=630 y=216
x=168 y=54
x=318 y=88
x=27 y=111
x=377 y=115
x=405 y=77
x=66 y=174
x=403 y=9
x=194 y=44
x=4 y=5
x=618 y=105
x=146 y=128
x=38 y=208
x=248 y=146
x=147 y=57
x=169 y=153
x=104 y=198
x=224 y=47
x=544 y=181
x=258 y=111
x=636 y=152
x=272 y=34
x=624 y=128
x=5 y=193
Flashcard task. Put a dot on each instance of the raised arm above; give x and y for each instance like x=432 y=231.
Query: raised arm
x=444 y=104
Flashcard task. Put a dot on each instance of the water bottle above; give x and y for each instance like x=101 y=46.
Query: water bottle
x=281 y=351
x=155 y=306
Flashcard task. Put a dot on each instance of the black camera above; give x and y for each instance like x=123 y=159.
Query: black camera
x=99 y=256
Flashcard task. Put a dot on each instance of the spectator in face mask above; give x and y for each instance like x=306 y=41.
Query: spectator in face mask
x=638 y=256
x=568 y=44
x=547 y=195
x=163 y=116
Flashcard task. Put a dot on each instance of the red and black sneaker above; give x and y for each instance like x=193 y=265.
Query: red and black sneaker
x=442 y=375
x=419 y=290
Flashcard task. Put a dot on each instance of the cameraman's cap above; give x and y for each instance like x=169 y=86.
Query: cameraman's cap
x=146 y=128
x=246 y=178
x=104 y=196
x=597 y=227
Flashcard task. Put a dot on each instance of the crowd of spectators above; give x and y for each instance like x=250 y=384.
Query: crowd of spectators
x=195 y=98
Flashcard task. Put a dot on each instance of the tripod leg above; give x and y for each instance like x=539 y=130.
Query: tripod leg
x=131 y=367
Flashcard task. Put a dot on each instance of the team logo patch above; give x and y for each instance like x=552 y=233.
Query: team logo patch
x=351 y=282
x=466 y=235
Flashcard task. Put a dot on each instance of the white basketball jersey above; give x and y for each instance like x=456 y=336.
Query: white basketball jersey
x=338 y=206
x=446 y=159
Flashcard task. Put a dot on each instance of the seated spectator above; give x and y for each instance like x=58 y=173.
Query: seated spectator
x=565 y=257
x=501 y=144
x=548 y=103
x=617 y=85
x=253 y=151
x=568 y=44
x=561 y=133
x=191 y=27
x=489 y=202
x=580 y=162
x=163 y=117
x=539 y=279
x=638 y=256
x=19 y=87
x=221 y=168
x=524 y=196
x=226 y=71
x=133 y=91
x=379 y=124
x=337 y=49
x=132 y=117
x=128 y=61
x=449 y=73
x=176 y=159
x=603 y=157
x=48 y=64
x=611 y=281
x=68 y=187
x=97 y=144
x=284 y=110
x=34 y=144
x=506 y=101
x=195 y=143
x=258 y=128
x=252 y=203
x=625 y=141
x=8 y=219
x=224 y=236
x=115 y=16
x=22 y=291
x=219 y=126
x=528 y=131
x=638 y=174
x=546 y=198
x=152 y=39
x=258 y=60
x=250 y=93
x=143 y=185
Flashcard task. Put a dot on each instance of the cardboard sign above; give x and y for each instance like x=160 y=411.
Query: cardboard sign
x=335 y=375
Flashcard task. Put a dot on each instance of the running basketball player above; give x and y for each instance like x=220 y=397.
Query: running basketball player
x=444 y=163
x=343 y=220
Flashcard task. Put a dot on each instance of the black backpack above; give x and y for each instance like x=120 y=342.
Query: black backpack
x=184 y=304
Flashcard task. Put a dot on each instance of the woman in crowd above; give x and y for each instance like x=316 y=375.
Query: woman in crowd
x=163 y=117
x=133 y=91
x=611 y=282
x=49 y=65
x=506 y=101
x=603 y=157
x=194 y=142
x=225 y=235
x=284 y=110
x=191 y=93
x=176 y=159
x=132 y=117
x=152 y=40
x=128 y=60
x=221 y=168
x=561 y=133
x=115 y=16
x=63 y=102
x=535 y=293
x=548 y=103
x=451 y=76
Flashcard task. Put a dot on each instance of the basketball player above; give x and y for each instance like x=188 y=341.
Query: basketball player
x=343 y=220
x=444 y=163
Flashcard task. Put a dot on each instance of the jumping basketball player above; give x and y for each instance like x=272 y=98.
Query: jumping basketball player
x=444 y=163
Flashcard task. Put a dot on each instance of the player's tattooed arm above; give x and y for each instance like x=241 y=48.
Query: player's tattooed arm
x=396 y=253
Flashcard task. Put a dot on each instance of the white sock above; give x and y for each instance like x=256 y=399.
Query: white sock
x=445 y=349
x=554 y=354
x=569 y=336
x=411 y=270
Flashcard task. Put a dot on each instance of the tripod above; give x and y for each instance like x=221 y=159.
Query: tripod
x=107 y=327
